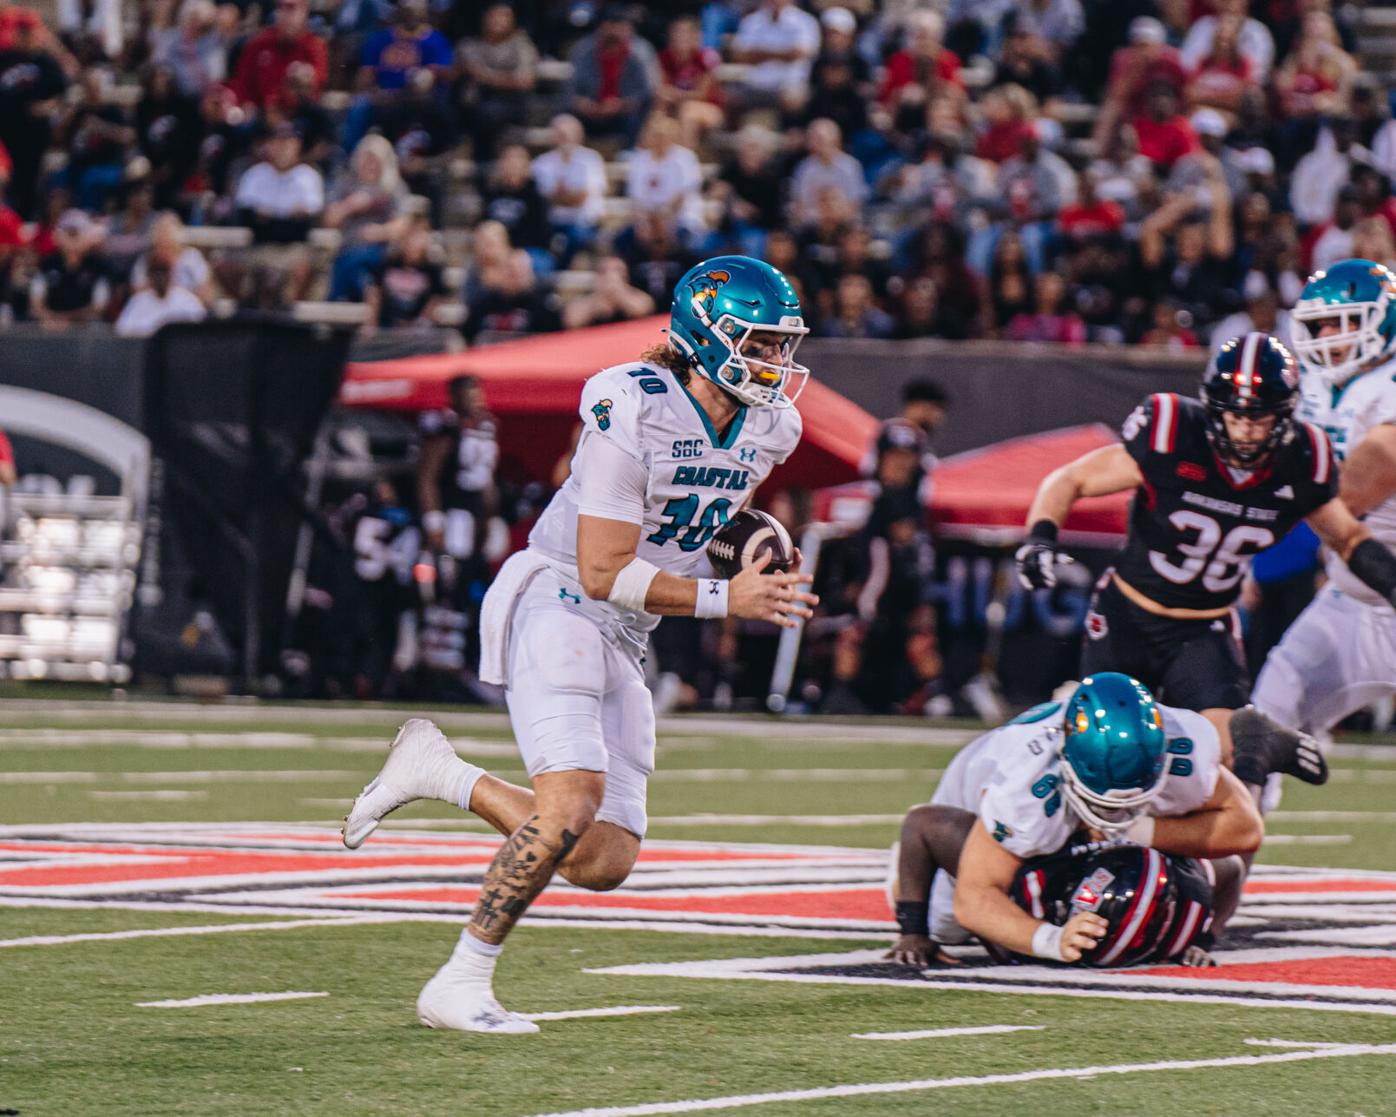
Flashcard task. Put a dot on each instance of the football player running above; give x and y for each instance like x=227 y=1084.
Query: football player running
x=672 y=445
x=1110 y=762
x=1340 y=654
x=1216 y=480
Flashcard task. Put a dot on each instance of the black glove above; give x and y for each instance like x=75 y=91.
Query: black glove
x=1038 y=558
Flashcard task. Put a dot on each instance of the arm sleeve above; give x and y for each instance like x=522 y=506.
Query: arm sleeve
x=612 y=482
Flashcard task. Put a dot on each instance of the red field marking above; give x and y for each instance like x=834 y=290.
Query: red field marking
x=1326 y=884
x=174 y=864
x=837 y=903
x=1361 y=971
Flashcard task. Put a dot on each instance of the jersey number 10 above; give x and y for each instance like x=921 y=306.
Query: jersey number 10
x=679 y=513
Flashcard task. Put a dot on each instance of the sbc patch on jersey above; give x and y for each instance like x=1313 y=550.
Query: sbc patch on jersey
x=602 y=411
x=1002 y=831
x=1097 y=628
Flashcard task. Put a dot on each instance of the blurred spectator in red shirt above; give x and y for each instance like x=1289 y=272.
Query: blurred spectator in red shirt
x=1253 y=37
x=7 y=461
x=1170 y=329
x=1009 y=111
x=1165 y=135
x=1090 y=215
x=924 y=68
x=1051 y=321
x=1134 y=70
x=261 y=71
x=1220 y=79
x=688 y=87
x=614 y=77
x=1316 y=79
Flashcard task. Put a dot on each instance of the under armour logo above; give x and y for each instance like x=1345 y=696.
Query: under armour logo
x=563 y=595
x=747 y=455
x=713 y=589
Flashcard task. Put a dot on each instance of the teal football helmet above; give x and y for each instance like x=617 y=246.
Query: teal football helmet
x=1113 y=751
x=1357 y=296
x=719 y=305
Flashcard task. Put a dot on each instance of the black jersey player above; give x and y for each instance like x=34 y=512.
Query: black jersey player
x=1215 y=480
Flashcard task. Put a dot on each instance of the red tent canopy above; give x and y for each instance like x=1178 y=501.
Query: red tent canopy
x=985 y=494
x=533 y=385
x=991 y=488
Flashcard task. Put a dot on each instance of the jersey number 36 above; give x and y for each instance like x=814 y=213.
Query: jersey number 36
x=1221 y=562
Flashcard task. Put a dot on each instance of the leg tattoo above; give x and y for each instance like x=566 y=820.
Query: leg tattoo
x=520 y=870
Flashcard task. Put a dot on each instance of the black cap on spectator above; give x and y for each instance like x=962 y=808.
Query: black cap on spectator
x=617 y=13
x=924 y=391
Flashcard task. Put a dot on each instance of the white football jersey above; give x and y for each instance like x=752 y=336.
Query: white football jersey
x=695 y=480
x=1347 y=414
x=1010 y=778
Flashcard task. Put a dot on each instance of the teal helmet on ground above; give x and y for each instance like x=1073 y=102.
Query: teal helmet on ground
x=721 y=304
x=1113 y=750
x=1357 y=296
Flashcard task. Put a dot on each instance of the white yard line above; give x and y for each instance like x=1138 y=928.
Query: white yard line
x=947 y=1033
x=156 y=794
x=1307 y=839
x=828 y=820
x=175 y=932
x=793 y=775
x=229 y=999
x=589 y=1013
x=1295 y=1044
x=1331 y=816
x=232 y=775
x=864 y=1089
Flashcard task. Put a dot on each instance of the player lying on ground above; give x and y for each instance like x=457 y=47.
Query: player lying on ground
x=1108 y=764
x=671 y=446
x=1215 y=481
x=1340 y=654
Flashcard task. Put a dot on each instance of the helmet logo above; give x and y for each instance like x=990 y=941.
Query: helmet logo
x=705 y=288
x=1090 y=893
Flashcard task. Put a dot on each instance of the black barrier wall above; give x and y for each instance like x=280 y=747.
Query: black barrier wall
x=1000 y=390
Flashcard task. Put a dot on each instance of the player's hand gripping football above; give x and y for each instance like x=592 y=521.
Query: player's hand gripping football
x=777 y=598
x=1037 y=562
x=1081 y=933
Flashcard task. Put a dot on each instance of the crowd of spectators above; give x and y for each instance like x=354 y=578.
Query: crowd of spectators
x=1030 y=170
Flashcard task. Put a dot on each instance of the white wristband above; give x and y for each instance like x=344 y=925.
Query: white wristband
x=1140 y=831
x=712 y=598
x=632 y=585
x=1047 y=942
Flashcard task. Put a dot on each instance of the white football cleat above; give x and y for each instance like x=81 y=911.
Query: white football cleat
x=421 y=765
x=462 y=1002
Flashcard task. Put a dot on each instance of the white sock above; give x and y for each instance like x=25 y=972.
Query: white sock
x=475 y=958
x=468 y=779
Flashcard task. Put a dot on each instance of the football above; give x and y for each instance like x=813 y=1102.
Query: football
x=743 y=539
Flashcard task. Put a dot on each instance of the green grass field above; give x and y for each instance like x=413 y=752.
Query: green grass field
x=74 y=1042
